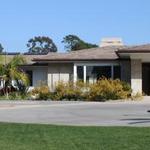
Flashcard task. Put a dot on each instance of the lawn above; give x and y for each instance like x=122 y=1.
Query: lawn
x=47 y=137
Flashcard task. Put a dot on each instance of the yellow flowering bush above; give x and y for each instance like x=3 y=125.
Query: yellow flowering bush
x=103 y=89
x=108 y=89
x=41 y=92
x=69 y=91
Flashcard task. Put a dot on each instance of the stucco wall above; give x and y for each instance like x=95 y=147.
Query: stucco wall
x=136 y=76
x=59 y=72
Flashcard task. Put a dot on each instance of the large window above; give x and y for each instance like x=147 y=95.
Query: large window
x=91 y=74
x=94 y=73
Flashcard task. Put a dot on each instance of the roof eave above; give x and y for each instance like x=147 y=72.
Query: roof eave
x=133 y=51
x=71 y=60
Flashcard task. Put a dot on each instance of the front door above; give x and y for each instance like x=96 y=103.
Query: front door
x=146 y=78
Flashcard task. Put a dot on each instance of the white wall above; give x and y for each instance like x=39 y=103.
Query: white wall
x=59 y=72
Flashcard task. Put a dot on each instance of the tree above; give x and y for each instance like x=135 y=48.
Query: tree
x=11 y=72
x=74 y=43
x=41 y=45
x=1 y=48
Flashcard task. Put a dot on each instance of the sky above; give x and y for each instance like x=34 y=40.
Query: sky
x=91 y=20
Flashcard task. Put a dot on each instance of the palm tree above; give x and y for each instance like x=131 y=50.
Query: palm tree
x=11 y=72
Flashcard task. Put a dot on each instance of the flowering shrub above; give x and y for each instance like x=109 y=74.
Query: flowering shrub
x=69 y=91
x=104 y=89
x=41 y=92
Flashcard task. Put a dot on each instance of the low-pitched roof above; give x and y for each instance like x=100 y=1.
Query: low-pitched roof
x=92 y=54
x=100 y=53
x=135 y=49
x=8 y=57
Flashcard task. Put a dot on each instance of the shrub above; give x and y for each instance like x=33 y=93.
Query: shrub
x=40 y=93
x=16 y=96
x=126 y=87
x=137 y=96
x=106 y=89
x=69 y=91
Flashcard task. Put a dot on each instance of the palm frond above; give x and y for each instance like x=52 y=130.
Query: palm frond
x=16 y=61
x=25 y=79
x=2 y=59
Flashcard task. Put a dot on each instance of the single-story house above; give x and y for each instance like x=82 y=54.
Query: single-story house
x=128 y=63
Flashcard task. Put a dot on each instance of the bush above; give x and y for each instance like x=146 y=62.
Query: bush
x=126 y=87
x=137 y=96
x=16 y=96
x=108 y=89
x=104 y=89
x=40 y=93
x=69 y=91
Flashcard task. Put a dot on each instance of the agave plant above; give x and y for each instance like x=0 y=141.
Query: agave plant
x=11 y=72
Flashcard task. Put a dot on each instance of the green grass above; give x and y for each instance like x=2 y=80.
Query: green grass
x=47 y=137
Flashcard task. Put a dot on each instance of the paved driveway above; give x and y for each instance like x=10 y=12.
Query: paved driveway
x=77 y=113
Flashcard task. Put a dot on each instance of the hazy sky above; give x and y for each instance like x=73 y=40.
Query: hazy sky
x=89 y=19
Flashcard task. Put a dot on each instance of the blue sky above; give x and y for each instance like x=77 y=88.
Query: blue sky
x=91 y=20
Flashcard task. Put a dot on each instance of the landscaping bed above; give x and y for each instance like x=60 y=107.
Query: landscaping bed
x=102 y=90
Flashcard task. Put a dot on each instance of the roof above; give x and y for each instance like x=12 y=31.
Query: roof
x=8 y=57
x=100 y=53
x=135 y=49
x=92 y=54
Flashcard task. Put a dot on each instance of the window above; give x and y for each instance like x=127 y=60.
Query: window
x=80 y=73
x=94 y=73
x=30 y=75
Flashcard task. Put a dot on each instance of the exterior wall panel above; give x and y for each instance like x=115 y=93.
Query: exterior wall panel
x=59 y=72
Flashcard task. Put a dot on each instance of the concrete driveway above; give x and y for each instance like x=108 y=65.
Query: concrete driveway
x=127 y=113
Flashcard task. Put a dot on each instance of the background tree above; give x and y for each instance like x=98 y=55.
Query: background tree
x=41 y=45
x=73 y=43
x=1 y=48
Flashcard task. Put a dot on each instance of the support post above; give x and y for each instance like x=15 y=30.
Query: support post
x=136 y=76
x=84 y=74
x=74 y=73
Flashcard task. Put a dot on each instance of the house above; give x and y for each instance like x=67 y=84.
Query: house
x=112 y=60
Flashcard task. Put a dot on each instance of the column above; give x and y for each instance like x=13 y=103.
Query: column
x=74 y=73
x=49 y=78
x=136 y=76
x=84 y=74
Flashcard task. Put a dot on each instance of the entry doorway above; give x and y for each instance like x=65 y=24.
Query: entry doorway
x=146 y=78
